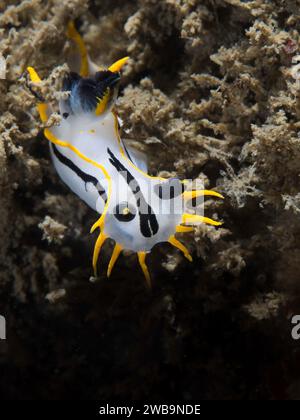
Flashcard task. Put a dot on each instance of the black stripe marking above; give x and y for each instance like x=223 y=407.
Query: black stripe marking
x=126 y=150
x=122 y=142
x=86 y=178
x=169 y=189
x=148 y=221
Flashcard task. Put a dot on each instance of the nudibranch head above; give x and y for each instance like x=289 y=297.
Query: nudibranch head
x=136 y=210
x=95 y=94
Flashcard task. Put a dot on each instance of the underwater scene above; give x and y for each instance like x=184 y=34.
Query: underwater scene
x=149 y=201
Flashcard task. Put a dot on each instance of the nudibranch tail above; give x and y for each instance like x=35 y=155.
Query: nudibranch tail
x=74 y=35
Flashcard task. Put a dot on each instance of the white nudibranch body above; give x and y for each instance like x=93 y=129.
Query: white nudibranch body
x=136 y=210
x=128 y=221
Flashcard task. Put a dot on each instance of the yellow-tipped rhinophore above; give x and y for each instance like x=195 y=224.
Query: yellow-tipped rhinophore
x=98 y=245
x=116 y=67
x=142 y=261
x=41 y=107
x=196 y=219
x=181 y=247
x=116 y=252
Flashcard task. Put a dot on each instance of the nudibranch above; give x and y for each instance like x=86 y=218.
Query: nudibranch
x=92 y=159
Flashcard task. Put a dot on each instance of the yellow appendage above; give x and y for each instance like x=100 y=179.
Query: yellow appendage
x=102 y=104
x=184 y=229
x=116 y=252
x=41 y=107
x=115 y=255
x=196 y=219
x=98 y=245
x=142 y=261
x=116 y=67
x=189 y=195
x=181 y=247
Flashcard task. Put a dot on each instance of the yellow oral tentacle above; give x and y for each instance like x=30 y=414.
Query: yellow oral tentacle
x=41 y=107
x=116 y=67
x=181 y=247
x=98 y=245
x=142 y=261
x=184 y=229
x=42 y=110
x=189 y=195
x=196 y=219
x=116 y=252
x=34 y=77
x=73 y=34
